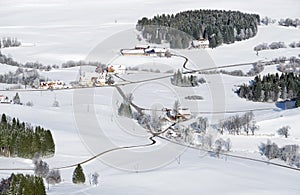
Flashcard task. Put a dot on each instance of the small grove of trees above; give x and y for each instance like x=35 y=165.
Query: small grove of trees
x=217 y=26
x=275 y=45
x=53 y=177
x=257 y=68
x=9 y=42
x=290 y=65
x=78 y=175
x=289 y=22
x=222 y=145
x=235 y=124
x=266 y=46
x=181 y=80
x=18 y=139
x=200 y=125
x=288 y=153
x=271 y=87
x=21 y=76
x=22 y=184
x=267 y=20
x=41 y=169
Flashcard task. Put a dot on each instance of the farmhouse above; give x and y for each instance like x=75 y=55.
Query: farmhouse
x=182 y=113
x=145 y=50
x=4 y=100
x=200 y=43
x=133 y=52
x=118 y=69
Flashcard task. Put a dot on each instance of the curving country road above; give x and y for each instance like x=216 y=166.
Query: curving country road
x=156 y=134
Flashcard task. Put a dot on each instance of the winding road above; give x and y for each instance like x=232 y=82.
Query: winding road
x=157 y=134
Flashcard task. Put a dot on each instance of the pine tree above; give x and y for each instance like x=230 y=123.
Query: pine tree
x=78 y=175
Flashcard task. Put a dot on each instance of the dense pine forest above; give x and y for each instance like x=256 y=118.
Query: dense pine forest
x=218 y=26
x=22 y=184
x=271 y=87
x=18 y=139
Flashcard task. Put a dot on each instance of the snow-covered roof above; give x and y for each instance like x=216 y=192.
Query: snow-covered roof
x=142 y=46
x=200 y=42
x=133 y=51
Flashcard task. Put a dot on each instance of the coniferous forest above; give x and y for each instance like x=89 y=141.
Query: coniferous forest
x=22 y=184
x=217 y=26
x=271 y=87
x=18 y=139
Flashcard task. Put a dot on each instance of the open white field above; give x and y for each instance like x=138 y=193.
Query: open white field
x=86 y=122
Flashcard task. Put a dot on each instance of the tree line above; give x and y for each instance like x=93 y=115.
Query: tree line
x=18 y=139
x=270 y=87
x=181 y=80
x=275 y=45
x=37 y=65
x=22 y=76
x=217 y=26
x=287 y=153
x=9 y=42
x=236 y=124
x=289 y=22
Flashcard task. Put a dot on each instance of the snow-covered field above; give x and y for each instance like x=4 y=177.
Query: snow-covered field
x=86 y=122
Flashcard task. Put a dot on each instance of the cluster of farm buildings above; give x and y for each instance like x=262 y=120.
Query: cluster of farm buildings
x=146 y=50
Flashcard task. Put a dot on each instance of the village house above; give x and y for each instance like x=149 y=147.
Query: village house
x=4 y=100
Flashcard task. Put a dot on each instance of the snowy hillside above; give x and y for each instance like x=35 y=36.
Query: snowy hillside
x=86 y=126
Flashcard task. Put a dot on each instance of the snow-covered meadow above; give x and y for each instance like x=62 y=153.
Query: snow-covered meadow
x=53 y=32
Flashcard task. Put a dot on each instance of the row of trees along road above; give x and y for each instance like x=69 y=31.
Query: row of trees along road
x=217 y=26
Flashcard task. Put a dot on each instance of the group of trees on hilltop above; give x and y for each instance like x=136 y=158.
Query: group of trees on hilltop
x=288 y=153
x=217 y=26
x=22 y=140
x=9 y=42
x=271 y=87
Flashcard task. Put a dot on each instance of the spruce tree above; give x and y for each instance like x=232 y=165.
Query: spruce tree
x=3 y=119
x=78 y=175
x=16 y=99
